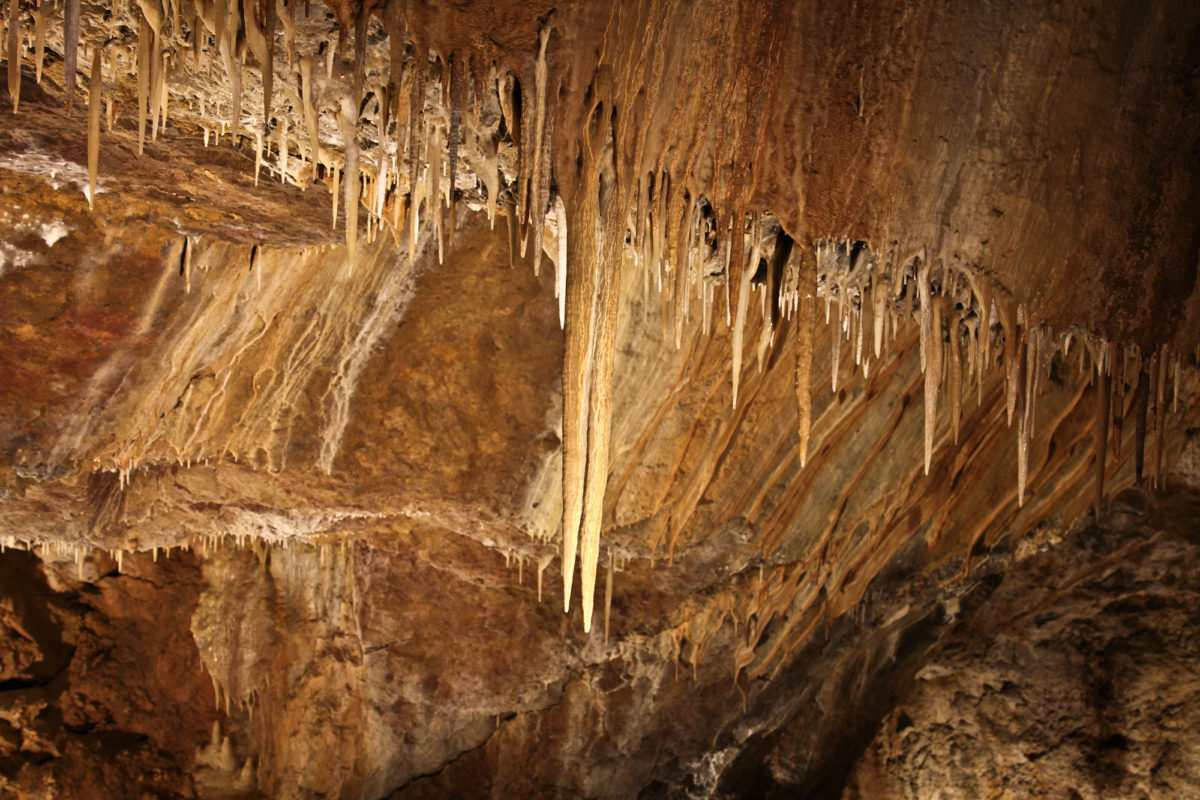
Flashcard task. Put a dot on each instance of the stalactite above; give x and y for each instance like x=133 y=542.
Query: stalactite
x=347 y=121
x=198 y=38
x=145 y=50
x=152 y=14
x=262 y=43
x=14 y=53
x=335 y=195
x=835 y=344
x=164 y=102
x=665 y=236
x=537 y=203
x=879 y=297
x=380 y=194
x=933 y=373
x=362 y=18
x=510 y=222
x=984 y=337
x=1009 y=318
x=734 y=262
x=434 y=190
x=593 y=290
x=543 y=190
x=679 y=238
x=157 y=84
x=560 y=270
x=310 y=114
x=398 y=205
x=457 y=94
x=39 y=39
x=286 y=16
x=282 y=130
x=227 y=47
x=416 y=117
x=1141 y=401
x=94 y=102
x=1024 y=377
x=70 y=49
x=258 y=154
x=804 y=347
x=599 y=427
x=414 y=224
x=954 y=375
x=581 y=282
x=187 y=264
x=857 y=321
x=1103 y=397
x=925 y=301
x=739 y=327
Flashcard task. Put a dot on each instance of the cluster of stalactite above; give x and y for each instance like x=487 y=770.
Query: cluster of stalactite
x=586 y=159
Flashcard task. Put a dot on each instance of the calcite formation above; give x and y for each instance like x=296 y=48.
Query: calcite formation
x=350 y=349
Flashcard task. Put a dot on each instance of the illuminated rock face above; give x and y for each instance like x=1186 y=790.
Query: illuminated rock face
x=787 y=327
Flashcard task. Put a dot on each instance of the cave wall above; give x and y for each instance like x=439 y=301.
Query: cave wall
x=287 y=488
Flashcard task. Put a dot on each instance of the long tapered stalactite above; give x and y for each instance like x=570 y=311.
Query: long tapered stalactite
x=805 y=329
x=582 y=281
x=95 y=83
x=13 y=51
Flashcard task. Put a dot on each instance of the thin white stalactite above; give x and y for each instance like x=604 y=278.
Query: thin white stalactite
x=560 y=268
x=14 y=53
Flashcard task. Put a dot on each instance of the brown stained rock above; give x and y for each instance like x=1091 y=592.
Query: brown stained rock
x=119 y=705
x=461 y=399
